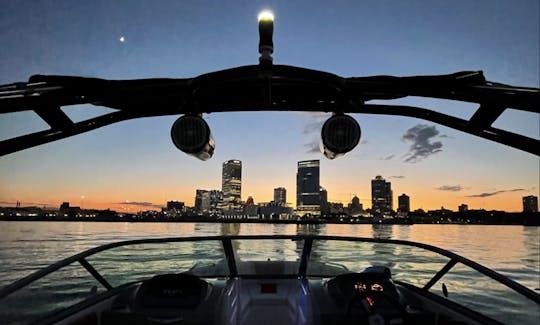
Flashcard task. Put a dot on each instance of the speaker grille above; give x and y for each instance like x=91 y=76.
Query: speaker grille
x=340 y=133
x=190 y=134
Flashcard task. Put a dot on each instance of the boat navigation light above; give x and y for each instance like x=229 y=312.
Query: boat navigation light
x=265 y=15
x=266 y=31
x=340 y=134
x=191 y=134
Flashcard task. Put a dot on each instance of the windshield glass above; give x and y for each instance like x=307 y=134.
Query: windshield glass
x=407 y=178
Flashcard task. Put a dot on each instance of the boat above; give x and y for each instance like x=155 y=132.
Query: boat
x=278 y=279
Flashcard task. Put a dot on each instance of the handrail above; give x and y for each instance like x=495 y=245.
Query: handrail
x=305 y=257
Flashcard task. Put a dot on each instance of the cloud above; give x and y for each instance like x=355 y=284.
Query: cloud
x=316 y=121
x=313 y=127
x=421 y=147
x=445 y=136
x=24 y=203
x=451 y=188
x=397 y=176
x=140 y=204
x=313 y=147
x=313 y=130
x=387 y=157
x=486 y=194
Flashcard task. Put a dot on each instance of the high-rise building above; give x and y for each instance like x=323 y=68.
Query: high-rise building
x=463 y=208
x=355 y=207
x=325 y=207
x=250 y=201
x=381 y=196
x=280 y=196
x=231 y=184
x=324 y=195
x=64 y=206
x=308 y=196
x=202 y=201
x=174 y=208
x=216 y=200
x=175 y=205
x=530 y=203
x=404 y=203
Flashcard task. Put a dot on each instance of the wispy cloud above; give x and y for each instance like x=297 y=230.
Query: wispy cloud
x=313 y=127
x=451 y=188
x=140 y=204
x=387 y=157
x=313 y=131
x=486 y=194
x=422 y=146
x=397 y=176
x=313 y=147
x=315 y=123
x=23 y=203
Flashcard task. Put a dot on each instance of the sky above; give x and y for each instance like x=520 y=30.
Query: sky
x=133 y=165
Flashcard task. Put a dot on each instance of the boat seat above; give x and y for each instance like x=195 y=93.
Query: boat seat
x=168 y=298
x=171 y=291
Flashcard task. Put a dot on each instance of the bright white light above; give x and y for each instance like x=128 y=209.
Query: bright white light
x=266 y=15
x=122 y=39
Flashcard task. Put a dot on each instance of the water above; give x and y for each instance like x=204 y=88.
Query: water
x=511 y=250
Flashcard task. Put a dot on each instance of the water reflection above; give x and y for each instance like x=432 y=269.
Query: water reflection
x=531 y=256
x=383 y=251
x=403 y=232
x=230 y=229
x=310 y=229
x=382 y=231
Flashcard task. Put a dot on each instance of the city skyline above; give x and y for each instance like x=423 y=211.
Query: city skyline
x=134 y=165
x=206 y=200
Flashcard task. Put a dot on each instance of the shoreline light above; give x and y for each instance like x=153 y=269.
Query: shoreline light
x=265 y=15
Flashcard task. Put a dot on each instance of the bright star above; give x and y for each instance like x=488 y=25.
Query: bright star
x=122 y=39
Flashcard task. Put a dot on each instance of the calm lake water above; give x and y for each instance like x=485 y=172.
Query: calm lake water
x=511 y=250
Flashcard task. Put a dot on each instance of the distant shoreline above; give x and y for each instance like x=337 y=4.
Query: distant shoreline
x=533 y=221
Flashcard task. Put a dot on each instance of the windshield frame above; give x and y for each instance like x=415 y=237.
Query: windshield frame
x=303 y=265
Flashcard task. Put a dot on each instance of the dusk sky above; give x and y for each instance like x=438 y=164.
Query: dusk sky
x=134 y=164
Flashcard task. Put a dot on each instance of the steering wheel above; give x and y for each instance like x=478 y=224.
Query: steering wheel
x=369 y=303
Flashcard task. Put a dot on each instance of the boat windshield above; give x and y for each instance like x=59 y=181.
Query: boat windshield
x=262 y=257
